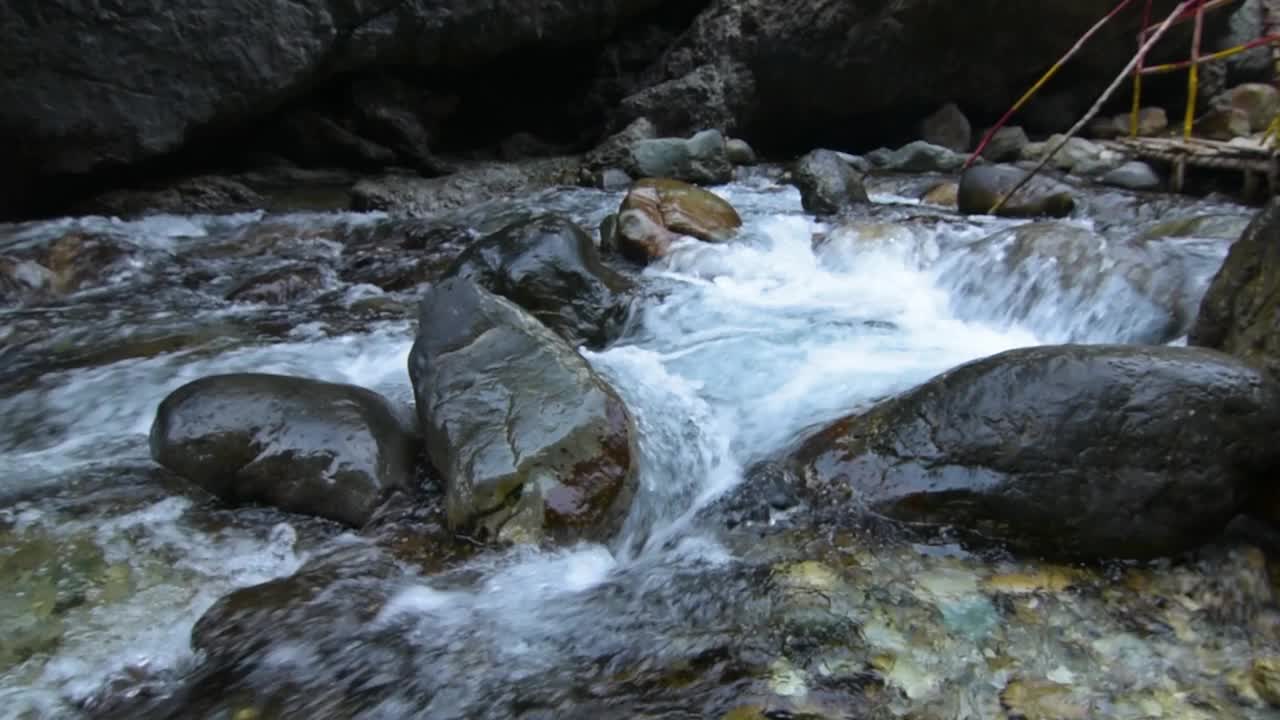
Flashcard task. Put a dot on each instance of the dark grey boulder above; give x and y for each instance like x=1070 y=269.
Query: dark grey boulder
x=550 y=267
x=828 y=185
x=982 y=186
x=529 y=441
x=1240 y=313
x=1075 y=451
x=949 y=128
x=305 y=446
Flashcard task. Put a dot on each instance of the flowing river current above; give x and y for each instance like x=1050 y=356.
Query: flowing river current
x=732 y=353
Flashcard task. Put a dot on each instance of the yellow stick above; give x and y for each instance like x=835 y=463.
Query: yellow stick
x=1093 y=111
x=1183 y=65
x=1193 y=76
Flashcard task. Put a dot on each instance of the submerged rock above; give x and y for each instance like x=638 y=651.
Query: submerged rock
x=918 y=156
x=1218 y=226
x=325 y=603
x=531 y=443
x=982 y=186
x=1062 y=280
x=23 y=281
x=656 y=211
x=828 y=185
x=944 y=194
x=1240 y=312
x=280 y=286
x=305 y=446
x=1078 y=451
x=550 y=267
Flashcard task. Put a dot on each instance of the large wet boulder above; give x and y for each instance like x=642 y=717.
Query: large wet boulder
x=530 y=442
x=1079 y=451
x=316 y=448
x=828 y=185
x=1240 y=313
x=656 y=211
x=550 y=267
x=982 y=186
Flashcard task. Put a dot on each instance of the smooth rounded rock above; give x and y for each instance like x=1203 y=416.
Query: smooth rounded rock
x=828 y=185
x=300 y=445
x=739 y=152
x=657 y=210
x=1006 y=144
x=1134 y=175
x=982 y=186
x=1102 y=451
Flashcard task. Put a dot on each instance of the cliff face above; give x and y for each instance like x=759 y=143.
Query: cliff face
x=95 y=87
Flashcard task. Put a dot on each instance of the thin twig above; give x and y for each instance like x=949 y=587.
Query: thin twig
x=1043 y=79
x=1097 y=106
x=1137 y=74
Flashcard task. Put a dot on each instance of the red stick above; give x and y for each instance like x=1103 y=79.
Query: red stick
x=1039 y=83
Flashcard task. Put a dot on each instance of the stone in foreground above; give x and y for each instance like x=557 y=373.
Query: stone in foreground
x=1077 y=451
x=300 y=445
x=530 y=441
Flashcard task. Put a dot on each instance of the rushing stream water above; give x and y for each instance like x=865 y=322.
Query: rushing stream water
x=735 y=351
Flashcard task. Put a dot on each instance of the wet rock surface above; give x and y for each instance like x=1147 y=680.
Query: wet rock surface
x=982 y=187
x=712 y=600
x=1081 y=451
x=529 y=441
x=656 y=211
x=1241 y=309
x=551 y=268
x=1063 y=268
x=323 y=449
x=828 y=184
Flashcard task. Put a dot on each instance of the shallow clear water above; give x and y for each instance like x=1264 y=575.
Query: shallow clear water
x=734 y=352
